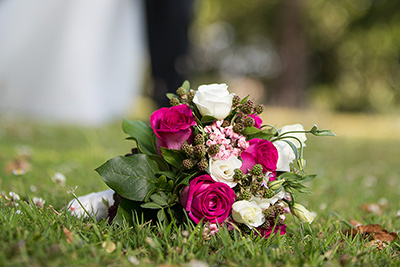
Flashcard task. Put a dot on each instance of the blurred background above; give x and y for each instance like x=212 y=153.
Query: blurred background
x=341 y=55
x=99 y=61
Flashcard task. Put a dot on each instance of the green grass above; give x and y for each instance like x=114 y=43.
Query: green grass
x=351 y=172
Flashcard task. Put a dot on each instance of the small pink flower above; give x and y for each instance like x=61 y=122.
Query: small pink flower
x=267 y=232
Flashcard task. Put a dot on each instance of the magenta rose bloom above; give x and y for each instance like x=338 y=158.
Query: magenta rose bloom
x=257 y=119
x=172 y=126
x=267 y=232
x=208 y=200
x=262 y=152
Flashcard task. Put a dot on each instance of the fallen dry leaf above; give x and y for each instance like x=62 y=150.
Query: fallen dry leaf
x=18 y=166
x=68 y=235
x=371 y=232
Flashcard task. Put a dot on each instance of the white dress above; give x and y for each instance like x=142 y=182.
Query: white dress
x=71 y=61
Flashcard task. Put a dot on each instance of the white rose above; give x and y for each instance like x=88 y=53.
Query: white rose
x=93 y=204
x=214 y=100
x=301 y=136
x=302 y=213
x=285 y=156
x=248 y=213
x=264 y=203
x=223 y=170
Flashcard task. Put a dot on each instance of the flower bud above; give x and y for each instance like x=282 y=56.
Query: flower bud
x=180 y=91
x=187 y=149
x=225 y=123
x=302 y=213
x=275 y=185
x=259 y=108
x=213 y=150
x=190 y=95
x=238 y=174
x=236 y=100
x=249 y=122
x=257 y=169
x=174 y=101
x=247 y=107
x=199 y=151
x=269 y=193
x=198 y=139
x=202 y=165
x=238 y=128
x=187 y=164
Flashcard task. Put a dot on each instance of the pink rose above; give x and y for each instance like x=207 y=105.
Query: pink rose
x=267 y=232
x=257 y=119
x=172 y=126
x=208 y=200
x=261 y=152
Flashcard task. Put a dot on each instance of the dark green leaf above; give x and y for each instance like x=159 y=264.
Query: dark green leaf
x=170 y=185
x=172 y=156
x=124 y=213
x=172 y=199
x=131 y=177
x=162 y=182
x=159 y=200
x=162 y=164
x=168 y=174
x=142 y=133
x=151 y=205
x=207 y=119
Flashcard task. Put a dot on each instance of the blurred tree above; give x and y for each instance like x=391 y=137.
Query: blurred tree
x=339 y=54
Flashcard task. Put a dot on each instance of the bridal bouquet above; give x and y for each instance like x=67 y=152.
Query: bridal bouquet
x=209 y=158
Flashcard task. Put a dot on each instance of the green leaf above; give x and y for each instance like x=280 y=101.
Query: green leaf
x=162 y=164
x=186 y=85
x=170 y=95
x=151 y=205
x=244 y=99
x=294 y=148
x=172 y=199
x=168 y=174
x=172 y=156
x=143 y=135
x=261 y=135
x=131 y=177
x=159 y=200
x=207 y=119
x=251 y=130
x=289 y=175
x=161 y=215
x=170 y=185
x=320 y=132
x=125 y=212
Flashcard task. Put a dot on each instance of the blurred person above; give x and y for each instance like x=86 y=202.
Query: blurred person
x=167 y=28
x=71 y=60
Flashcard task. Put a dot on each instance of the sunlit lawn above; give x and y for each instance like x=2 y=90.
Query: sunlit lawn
x=360 y=166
